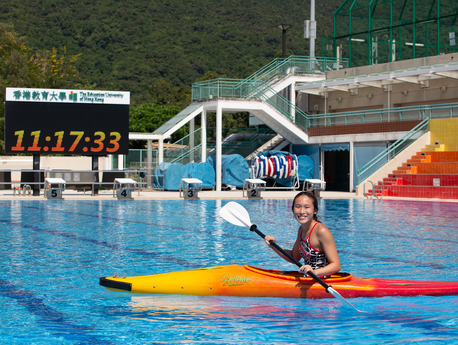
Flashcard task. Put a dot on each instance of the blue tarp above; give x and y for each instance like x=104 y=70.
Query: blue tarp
x=305 y=167
x=234 y=169
x=168 y=176
x=173 y=173
x=204 y=172
x=313 y=151
x=190 y=168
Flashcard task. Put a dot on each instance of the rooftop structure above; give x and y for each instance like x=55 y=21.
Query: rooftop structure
x=369 y=32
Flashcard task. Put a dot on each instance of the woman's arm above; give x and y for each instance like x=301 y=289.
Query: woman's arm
x=294 y=252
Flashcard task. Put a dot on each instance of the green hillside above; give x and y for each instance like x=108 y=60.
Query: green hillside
x=127 y=45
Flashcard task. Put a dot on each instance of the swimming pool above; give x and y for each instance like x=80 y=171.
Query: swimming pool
x=53 y=253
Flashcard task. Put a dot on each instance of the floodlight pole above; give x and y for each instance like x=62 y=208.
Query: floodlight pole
x=283 y=28
x=312 y=37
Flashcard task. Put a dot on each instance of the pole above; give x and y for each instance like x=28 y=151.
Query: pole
x=312 y=21
x=95 y=168
x=283 y=28
x=284 y=43
x=36 y=175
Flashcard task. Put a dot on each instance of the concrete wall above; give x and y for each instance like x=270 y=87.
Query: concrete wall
x=392 y=66
x=51 y=162
x=445 y=131
x=444 y=90
x=441 y=90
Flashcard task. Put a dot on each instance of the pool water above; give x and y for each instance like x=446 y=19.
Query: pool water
x=53 y=253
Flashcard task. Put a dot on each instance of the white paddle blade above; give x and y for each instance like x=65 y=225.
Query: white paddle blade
x=340 y=298
x=236 y=214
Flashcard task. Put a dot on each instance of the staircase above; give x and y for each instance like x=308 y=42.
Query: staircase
x=431 y=173
x=270 y=145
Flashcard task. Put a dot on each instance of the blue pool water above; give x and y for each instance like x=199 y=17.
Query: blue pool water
x=53 y=253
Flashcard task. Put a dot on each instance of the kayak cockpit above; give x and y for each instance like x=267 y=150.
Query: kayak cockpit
x=297 y=276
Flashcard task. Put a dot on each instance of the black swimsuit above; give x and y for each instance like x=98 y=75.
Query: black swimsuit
x=312 y=256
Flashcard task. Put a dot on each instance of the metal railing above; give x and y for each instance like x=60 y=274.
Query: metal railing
x=251 y=138
x=222 y=87
x=191 y=155
x=382 y=158
x=273 y=71
x=297 y=65
x=179 y=149
x=384 y=115
x=243 y=142
x=258 y=90
x=423 y=113
x=79 y=180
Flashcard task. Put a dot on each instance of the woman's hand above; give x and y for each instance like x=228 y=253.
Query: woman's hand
x=269 y=239
x=306 y=268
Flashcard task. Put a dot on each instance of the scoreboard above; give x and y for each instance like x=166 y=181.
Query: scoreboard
x=81 y=122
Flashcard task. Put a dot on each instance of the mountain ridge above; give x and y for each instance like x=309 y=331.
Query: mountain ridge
x=127 y=45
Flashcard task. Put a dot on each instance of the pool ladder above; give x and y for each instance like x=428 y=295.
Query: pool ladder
x=25 y=190
x=373 y=189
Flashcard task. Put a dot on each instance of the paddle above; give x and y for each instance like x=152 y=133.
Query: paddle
x=236 y=214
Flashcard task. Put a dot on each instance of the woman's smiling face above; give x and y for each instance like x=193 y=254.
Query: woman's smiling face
x=303 y=209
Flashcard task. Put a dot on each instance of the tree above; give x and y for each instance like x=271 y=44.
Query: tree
x=209 y=75
x=164 y=92
x=148 y=117
x=20 y=67
x=54 y=72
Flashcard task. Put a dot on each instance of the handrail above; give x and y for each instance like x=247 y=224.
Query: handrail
x=383 y=188
x=304 y=63
x=374 y=165
x=249 y=90
x=182 y=146
x=185 y=150
x=286 y=103
x=421 y=109
x=364 y=187
x=186 y=154
x=276 y=62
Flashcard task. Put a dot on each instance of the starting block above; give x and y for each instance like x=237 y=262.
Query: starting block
x=314 y=186
x=123 y=187
x=190 y=188
x=253 y=188
x=54 y=188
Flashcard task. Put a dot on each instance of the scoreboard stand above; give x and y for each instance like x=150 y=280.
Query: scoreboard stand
x=54 y=187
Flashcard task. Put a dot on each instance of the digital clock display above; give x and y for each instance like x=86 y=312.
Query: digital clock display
x=66 y=128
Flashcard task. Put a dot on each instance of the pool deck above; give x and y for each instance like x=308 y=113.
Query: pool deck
x=203 y=195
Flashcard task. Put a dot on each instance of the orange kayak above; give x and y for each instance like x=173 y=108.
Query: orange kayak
x=248 y=281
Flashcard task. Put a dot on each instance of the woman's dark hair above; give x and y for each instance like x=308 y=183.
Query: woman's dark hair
x=314 y=202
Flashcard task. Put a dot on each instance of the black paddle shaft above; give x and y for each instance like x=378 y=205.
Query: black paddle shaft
x=293 y=260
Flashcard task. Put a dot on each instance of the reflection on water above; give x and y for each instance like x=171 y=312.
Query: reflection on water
x=210 y=307
x=258 y=319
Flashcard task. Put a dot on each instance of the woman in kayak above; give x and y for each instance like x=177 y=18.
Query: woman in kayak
x=314 y=242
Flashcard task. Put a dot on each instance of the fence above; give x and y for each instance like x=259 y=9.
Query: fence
x=79 y=180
